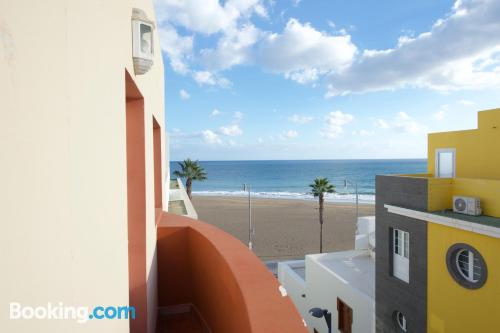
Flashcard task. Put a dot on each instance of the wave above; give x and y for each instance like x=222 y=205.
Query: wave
x=329 y=197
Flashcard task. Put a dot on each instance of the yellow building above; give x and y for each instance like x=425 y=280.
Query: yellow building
x=472 y=306
x=446 y=276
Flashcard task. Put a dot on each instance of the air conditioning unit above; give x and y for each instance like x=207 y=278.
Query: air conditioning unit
x=467 y=205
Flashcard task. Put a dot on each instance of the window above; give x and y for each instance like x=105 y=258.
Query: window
x=445 y=163
x=401 y=254
x=345 y=316
x=146 y=39
x=399 y=321
x=466 y=266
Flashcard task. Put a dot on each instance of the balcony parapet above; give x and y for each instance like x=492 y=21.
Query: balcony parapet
x=179 y=202
x=203 y=266
x=442 y=190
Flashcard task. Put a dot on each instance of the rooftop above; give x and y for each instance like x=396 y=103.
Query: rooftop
x=356 y=267
x=301 y=271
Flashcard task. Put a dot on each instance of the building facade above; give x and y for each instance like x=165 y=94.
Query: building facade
x=436 y=267
x=343 y=283
x=85 y=184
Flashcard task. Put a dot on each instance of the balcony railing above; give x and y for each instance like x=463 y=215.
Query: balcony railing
x=202 y=267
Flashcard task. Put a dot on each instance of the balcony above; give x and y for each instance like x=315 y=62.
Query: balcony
x=178 y=200
x=435 y=205
x=209 y=281
x=442 y=190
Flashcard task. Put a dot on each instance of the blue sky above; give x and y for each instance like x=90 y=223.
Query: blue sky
x=324 y=79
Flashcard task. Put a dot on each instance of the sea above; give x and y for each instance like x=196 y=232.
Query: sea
x=290 y=179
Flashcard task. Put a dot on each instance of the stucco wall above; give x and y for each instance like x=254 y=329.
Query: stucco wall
x=453 y=308
x=322 y=290
x=392 y=294
x=294 y=285
x=475 y=157
x=63 y=172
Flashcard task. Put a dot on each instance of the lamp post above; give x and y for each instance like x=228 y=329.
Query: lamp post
x=355 y=184
x=246 y=187
x=319 y=313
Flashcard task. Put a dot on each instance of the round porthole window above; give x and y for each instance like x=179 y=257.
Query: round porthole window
x=399 y=321
x=466 y=266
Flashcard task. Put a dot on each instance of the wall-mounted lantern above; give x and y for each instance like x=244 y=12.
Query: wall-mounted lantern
x=142 y=41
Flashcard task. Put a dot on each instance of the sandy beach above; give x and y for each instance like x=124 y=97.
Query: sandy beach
x=284 y=229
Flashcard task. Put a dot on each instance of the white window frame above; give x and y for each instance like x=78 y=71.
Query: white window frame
x=436 y=166
x=469 y=275
x=401 y=254
x=401 y=320
x=137 y=50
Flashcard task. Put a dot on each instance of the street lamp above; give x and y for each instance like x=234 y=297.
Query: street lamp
x=355 y=184
x=318 y=313
x=251 y=231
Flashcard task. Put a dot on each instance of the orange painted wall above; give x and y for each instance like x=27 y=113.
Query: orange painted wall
x=228 y=284
x=136 y=206
x=157 y=164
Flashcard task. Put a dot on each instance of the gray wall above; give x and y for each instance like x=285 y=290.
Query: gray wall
x=392 y=294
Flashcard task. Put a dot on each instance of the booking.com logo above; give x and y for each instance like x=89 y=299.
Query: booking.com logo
x=81 y=314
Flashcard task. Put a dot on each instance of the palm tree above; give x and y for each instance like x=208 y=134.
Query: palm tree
x=191 y=170
x=318 y=189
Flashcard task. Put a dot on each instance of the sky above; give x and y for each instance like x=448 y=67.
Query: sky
x=324 y=79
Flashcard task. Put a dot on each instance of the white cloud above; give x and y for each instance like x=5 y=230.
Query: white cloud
x=298 y=119
x=405 y=123
x=335 y=121
x=441 y=113
x=381 y=123
x=207 y=16
x=291 y=134
x=466 y=102
x=210 y=79
x=303 y=77
x=302 y=53
x=461 y=51
x=238 y=116
x=184 y=94
x=210 y=137
x=231 y=18
x=402 y=122
x=285 y=135
x=233 y=48
x=178 y=48
x=362 y=133
x=215 y=113
x=232 y=130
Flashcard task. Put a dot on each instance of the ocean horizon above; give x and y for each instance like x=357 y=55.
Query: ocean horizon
x=290 y=179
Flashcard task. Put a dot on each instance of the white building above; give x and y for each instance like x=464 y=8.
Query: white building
x=341 y=282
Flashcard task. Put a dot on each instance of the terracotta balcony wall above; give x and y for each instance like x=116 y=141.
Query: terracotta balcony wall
x=201 y=265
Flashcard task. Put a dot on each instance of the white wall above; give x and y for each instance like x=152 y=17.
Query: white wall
x=63 y=203
x=294 y=284
x=322 y=290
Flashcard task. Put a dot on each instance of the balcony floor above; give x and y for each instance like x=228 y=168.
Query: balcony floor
x=187 y=322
